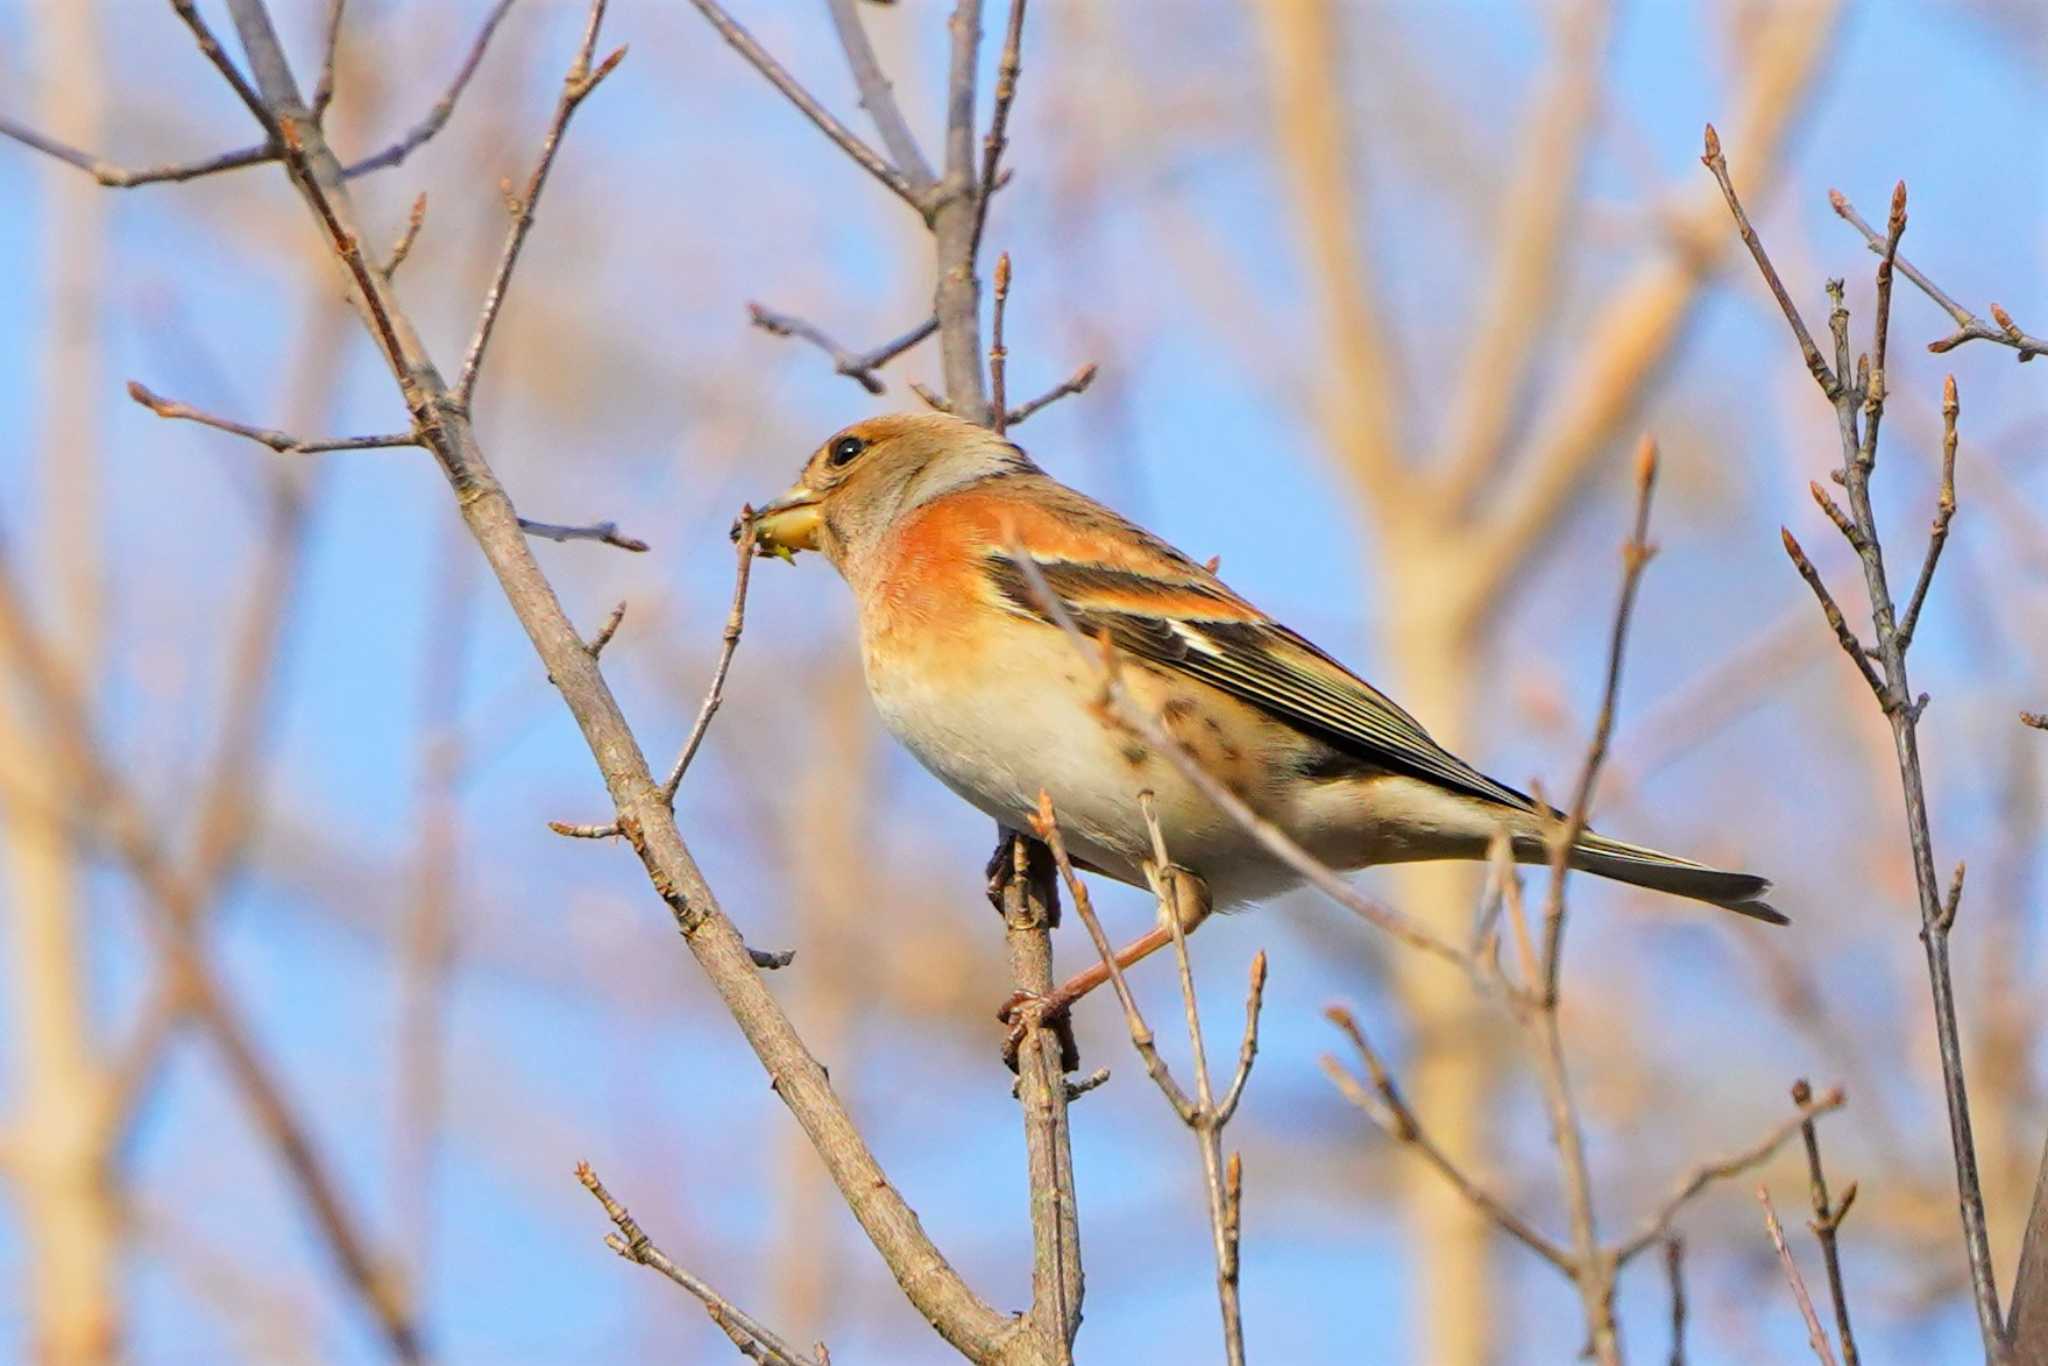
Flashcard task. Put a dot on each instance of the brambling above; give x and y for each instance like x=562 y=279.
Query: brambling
x=922 y=514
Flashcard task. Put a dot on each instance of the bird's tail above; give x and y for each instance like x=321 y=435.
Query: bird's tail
x=1639 y=867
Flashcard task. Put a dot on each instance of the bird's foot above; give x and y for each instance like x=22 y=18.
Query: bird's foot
x=1026 y=1012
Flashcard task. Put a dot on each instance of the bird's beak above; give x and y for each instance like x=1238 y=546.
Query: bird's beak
x=787 y=525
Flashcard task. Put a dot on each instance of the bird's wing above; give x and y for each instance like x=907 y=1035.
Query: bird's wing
x=1163 y=608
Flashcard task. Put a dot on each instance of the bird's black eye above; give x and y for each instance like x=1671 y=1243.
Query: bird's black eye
x=844 y=449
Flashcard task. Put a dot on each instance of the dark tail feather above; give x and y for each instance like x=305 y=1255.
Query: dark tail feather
x=1639 y=867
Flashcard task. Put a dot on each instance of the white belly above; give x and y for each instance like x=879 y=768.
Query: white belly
x=996 y=734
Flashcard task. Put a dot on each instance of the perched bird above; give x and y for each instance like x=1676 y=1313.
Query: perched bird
x=924 y=514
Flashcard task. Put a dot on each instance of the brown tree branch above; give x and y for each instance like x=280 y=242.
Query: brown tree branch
x=1827 y=1222
x=864 y=156
x=1657 y=1226
x=877 y=97
x=1388 y=1109
x=576 y=87
x=632 y=1243
x=422 y=132
x=1969 y=327
x=126 y=178
x=284 y=443
x=1859 y=408
x=1076 y=383
x=604 y=533
x=979 y=1330
x=1815 y=1334
x=859 y=367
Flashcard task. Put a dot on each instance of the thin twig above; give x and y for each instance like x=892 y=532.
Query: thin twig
x=877 y=97
x=127 y=178
x=1969 y=327
x=1636 y=554
x=1076 y=383
x=330 y=48
x=1388 y=1109
x=849 y=142
x=1815 y=1334
x=1833 y=612
x=284 y=443
x=1674 y=1276
x=604 y=533
x=998 y=356
x=609 y=629
x=1046 y=826
x=1657 y=1227
x=927 y=1278
x=1716 y=163
x=1902 y=713
x=1008 y=67
x=860 y=367
x=1827 y=1222
x=576 y=87
x=210 y=48
x=632 y=1243
x=1207 y=1121
x=728 y=645
x=420 y=133
x=1944 y=513
x=402 y=248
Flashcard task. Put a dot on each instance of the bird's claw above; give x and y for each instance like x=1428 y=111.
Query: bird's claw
x=1025 y=1011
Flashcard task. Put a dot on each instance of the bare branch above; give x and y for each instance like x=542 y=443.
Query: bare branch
x=418 y=135
x=997 y=141
x=849 y=142
x=1046 y=827
x=1636 y=553
x=930 y=1282
x=1815 y=1334
x=1657 y=1227
x=859 y=367
x=1827 y=1221
x=125 y=178
x=1718 y=164
x=1944 y=513
x=877 y=97
x=1385 y=1106
x=210 y=48
x=1850 y=645
x=632 y=1243
x=284 y=443
x=402 y=248
x=1969 y=327
x=604 y=533
x=323 y=88
x=728 y=645
x=1902 y=713
x=609 y=629
x=1674 y=1275
x=998 y=356
x=1076 y=383
x=576 y=87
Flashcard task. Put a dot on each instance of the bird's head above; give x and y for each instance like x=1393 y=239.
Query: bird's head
x=856 y=484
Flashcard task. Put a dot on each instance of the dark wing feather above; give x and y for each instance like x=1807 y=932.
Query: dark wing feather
x=1200 y=629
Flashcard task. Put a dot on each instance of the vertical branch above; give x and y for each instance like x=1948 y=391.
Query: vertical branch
x=957 y=298
x=1030 y=907
x=1859 y=409
x=1827 y=1221
x=998 y=355
x=1815 y=1334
